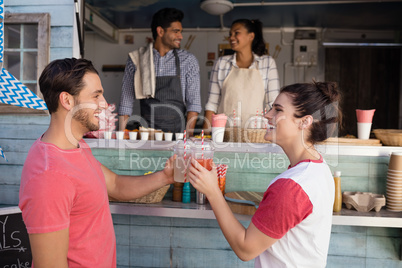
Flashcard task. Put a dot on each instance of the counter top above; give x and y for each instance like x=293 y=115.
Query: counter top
x=167 y=208
x=325 y=149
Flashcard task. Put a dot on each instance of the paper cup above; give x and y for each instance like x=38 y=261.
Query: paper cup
x=144 y=136
x=254 y=122
x=168 y=136
x=259 y=122
x=264 y=123
x=395 y=191
x=218 y=133
x=365 y=116
x=219 y=120
x=394 y=183
x=396 y=209
x=363 y=131
x=108 y=135
x=395 y=161
x=396 y=195
x=179 y=136
x=119 y=135
x=158 y=136
x=394 y=175
x=395 y=203
x=133 y=135
x=394 y=172
x=394 y=178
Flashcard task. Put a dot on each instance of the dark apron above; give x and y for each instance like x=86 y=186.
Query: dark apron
x=166 y=111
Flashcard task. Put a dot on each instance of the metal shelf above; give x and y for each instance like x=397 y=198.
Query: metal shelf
x=167 y=208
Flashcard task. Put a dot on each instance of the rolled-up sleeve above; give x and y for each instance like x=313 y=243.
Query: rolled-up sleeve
x=127 y=96
x=193 y=86
x=214 y=89
x=273 y=82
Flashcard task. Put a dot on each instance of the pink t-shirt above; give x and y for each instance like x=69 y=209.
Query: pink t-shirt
x=297 y=210
x=66 y=189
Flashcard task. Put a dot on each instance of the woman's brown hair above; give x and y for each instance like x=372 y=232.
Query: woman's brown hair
x=320 y=100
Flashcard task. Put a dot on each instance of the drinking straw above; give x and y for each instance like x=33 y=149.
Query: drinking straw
x=234 y=117
x=218 y=170
x=202 y=144
x=255 y=123
x=184 y=156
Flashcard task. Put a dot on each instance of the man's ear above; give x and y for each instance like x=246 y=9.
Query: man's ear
x=66 y=101
x=160 y=31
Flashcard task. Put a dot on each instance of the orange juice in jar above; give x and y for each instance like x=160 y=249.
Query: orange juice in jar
x=206 y=163
x=203 y=153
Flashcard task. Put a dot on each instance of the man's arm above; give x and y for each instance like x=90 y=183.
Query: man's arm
x=50 y=249
x=123 y=122
x=191 y=121
x=192 y=94
x=122 y=187
x=127 y=95
x=208 y=122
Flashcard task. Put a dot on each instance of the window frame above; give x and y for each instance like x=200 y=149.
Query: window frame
x=43 y=22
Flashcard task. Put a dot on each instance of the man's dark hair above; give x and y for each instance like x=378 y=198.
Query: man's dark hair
x=63 y=75
x=164 y=18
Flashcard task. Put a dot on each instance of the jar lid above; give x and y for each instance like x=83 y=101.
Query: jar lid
x=337 y=173
x=207 y=145
x=180 y=144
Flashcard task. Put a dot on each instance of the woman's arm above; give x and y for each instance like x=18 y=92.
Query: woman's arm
x=246 y=243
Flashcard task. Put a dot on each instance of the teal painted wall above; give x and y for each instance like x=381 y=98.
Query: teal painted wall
x=178 y=242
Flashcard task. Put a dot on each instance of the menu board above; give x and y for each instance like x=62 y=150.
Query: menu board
x=15 y=250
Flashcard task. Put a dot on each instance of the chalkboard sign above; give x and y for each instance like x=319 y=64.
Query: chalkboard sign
x=15 y=250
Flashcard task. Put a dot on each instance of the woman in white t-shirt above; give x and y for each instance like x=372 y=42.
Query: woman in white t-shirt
x=292 y=225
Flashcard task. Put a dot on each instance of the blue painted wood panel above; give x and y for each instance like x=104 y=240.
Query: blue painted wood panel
x=60 y=15
x=36 y=2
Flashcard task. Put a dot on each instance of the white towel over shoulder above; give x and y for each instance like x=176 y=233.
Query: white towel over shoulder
x=144 y=77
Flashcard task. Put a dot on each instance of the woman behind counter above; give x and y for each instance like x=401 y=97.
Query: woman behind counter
x=246 y=81
x=292 y=225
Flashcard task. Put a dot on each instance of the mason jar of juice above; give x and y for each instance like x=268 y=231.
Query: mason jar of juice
x=203 y=153
x=183 y=156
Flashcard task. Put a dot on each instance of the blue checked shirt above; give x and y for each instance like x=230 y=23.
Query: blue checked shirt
x=266 y=66
x=166 y=66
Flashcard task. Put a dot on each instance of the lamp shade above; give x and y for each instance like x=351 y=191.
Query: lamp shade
x=216 y=7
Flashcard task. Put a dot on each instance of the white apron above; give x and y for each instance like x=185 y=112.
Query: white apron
x=242 y=91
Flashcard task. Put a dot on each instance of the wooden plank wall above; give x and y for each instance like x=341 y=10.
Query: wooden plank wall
x=62 y=16
x=179 y=242
x=369 y=78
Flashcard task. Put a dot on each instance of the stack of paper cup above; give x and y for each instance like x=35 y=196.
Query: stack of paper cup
x=364 y=121
x=394 y=182
x=218 y=127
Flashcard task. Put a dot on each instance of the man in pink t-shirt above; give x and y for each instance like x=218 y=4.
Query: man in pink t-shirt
x=64 y=189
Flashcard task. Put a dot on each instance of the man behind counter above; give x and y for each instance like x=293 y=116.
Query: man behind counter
x=163 y=77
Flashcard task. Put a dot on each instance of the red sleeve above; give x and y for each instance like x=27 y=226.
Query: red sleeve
x=46 y=202
x=284 y=205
